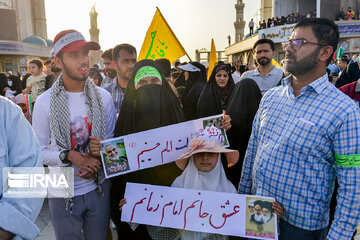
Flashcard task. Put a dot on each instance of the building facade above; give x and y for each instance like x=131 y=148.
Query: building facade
x=349 y=30
x=203 y=55
x=23 y=34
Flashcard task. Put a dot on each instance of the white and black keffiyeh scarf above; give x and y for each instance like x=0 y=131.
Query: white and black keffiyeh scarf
x=60 y=118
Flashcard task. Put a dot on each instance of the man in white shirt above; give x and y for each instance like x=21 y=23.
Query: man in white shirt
x=72 y=97
x=266 y=75
x=236 y=75
x=251 y=27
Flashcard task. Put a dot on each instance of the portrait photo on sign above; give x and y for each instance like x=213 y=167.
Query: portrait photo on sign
x=213 y=126
x=260 y=218
x=114 y=157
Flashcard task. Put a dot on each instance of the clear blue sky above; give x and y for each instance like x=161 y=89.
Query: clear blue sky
x=194 y=22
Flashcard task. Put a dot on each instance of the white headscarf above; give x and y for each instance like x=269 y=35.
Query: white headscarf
x=215 y=181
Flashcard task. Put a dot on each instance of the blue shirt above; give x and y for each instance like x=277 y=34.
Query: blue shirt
x=333 y=68
x=18 y=148
x=265 y=83
x=291 y=155
x=117 y=94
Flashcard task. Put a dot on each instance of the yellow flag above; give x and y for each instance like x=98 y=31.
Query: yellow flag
x=213 y=58
x=160 y=41
x=274 y=62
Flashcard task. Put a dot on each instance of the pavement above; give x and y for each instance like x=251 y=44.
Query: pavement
x=43 y=222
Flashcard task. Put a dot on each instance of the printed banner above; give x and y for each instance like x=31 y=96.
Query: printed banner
x=157 y=146
x=277 y=34
x=349 y=28
x=200 y=211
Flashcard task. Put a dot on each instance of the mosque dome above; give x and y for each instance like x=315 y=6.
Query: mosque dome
x=50 y=43
x=36 y=41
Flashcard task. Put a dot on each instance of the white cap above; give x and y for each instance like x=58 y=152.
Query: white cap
x=189 y=67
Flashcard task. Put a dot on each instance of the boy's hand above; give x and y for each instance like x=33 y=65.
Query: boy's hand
x=121 y=203
x=278 y=209
x=84 y=161
x=85 y=174
x=95 y=146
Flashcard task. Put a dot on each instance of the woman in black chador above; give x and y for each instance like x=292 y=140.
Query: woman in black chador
x=242 y=107
x=215 y=97
x=195 y=81
x=148 y=103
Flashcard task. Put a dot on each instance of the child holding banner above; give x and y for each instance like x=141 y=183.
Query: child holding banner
x=203 y=170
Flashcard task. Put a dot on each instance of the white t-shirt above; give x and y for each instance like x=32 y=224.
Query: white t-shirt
x=80 y=130
x=236 y=77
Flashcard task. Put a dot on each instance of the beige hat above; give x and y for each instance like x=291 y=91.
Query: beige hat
x=20 y=98
x=199 y=145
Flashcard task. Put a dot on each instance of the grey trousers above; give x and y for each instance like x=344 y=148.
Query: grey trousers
x=90 y=217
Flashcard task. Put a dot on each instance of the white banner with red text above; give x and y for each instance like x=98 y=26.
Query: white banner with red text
x=157 y=146
x=200 y=211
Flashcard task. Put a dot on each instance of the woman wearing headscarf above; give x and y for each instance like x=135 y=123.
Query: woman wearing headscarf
x=195 y=77
x=15 y=83
x=95 y=76
x=242 y=107
x=215 y=97
x=180 y=80
x=148 y=103
x=349 y=75
x=3 y=84
x=11 y=83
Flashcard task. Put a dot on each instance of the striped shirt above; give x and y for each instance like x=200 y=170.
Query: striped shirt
x=117 y=94
x=294 y=155
x=265 y=83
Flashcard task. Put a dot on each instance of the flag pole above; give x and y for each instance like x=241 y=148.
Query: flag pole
x=188 y=56
x=173 y=34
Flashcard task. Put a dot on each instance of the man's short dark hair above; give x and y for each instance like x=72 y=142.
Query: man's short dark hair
x=127 y=47
x=325 y=30
x=263 y=41
x=344 y=59
x=177 y=64
x=107 y=54
x=47 y=62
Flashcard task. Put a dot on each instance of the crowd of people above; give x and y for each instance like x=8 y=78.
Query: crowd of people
x=348 y=14
x=292 y=134
x=282 y=20
x=295 y=17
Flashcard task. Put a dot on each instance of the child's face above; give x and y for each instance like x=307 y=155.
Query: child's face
x=34 y=70
x=205 y=162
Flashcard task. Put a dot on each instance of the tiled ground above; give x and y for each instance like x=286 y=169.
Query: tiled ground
x=44 y=224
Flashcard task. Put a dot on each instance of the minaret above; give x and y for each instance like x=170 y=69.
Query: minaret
x=266 y=9
x=94 y=31
x=239 y=23
x=94 y=36
x=39 y=19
